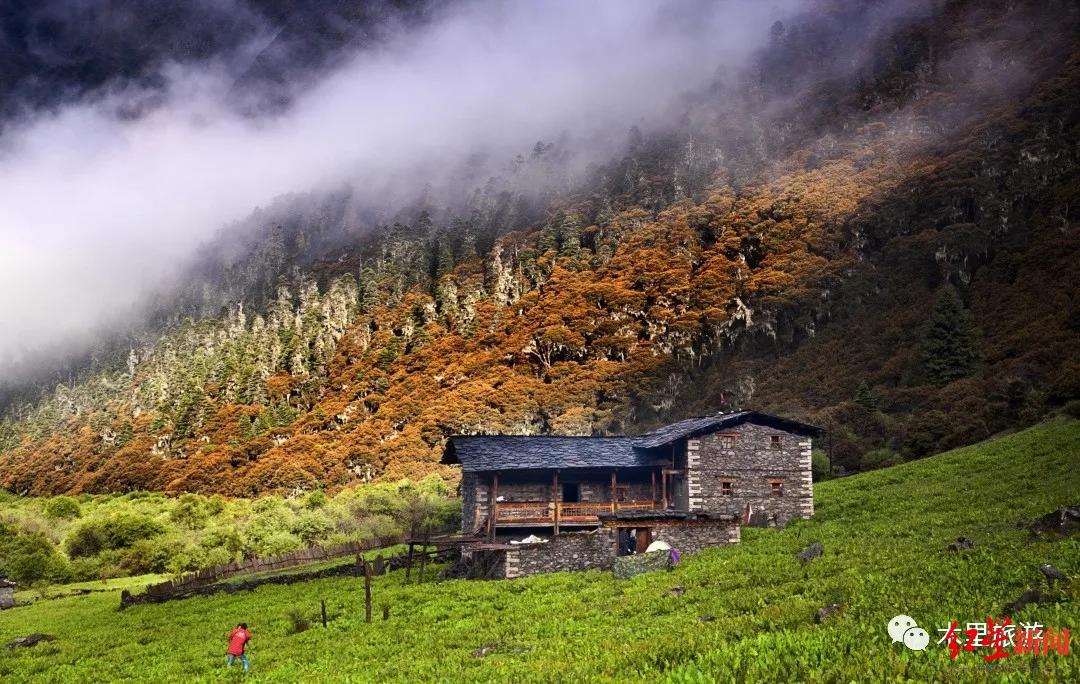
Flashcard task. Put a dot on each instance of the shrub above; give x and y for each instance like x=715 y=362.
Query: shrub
x=117 y=532
x=30 y=558
x=191 y=511
x=820 y=465
x=1072 y=408
x=297 y=621
x=62 y=508
x=312 y=526
x=879 y=458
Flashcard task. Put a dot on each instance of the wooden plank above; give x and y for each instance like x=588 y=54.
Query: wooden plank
x=367 y=591
x=555 y=498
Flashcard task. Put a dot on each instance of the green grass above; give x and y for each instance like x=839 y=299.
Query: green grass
x=885 y=536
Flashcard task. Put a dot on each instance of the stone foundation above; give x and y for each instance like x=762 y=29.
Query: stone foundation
x=567 y=551
x=597 y=549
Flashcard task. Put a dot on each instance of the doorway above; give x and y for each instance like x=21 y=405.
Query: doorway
x=571 y=492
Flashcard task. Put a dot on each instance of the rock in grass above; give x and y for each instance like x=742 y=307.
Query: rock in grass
x=28 y=641
x=961 y=544
x=1028 y=597
x=484 y=650
x=1063 y=522
x=707 y=618
x=826 y=612
x=811 y=552
x=677 y=591
x=1051 y=573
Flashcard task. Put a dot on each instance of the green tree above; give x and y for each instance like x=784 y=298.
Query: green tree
x=865 y=398
x=948 y=346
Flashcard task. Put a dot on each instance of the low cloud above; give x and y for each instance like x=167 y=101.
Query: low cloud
x=98 y=206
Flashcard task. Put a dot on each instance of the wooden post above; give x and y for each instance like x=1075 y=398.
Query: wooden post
x=494 y=505
x=654 y=488
x=663 y=487
x=380 y=567
x=612 y=491
x=408 y=562
x=423 y=558
x=555 y=498
x=323 y=603
x=367 y=592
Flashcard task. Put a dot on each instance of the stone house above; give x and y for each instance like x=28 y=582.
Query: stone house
x=590 y=499
x=7 y=594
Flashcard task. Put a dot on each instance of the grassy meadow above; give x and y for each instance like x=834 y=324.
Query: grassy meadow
x=747 y=612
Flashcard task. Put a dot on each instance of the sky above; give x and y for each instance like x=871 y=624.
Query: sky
x=98 y=208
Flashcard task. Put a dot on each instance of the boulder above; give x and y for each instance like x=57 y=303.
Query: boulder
x=961 y=544
x=826 y=612
x=811 y=552
x=28 y=641
x=1052 y=574
x=1063 y=522
x=1028 y=597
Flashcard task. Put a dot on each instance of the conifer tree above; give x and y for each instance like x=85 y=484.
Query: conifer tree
x=865 y=398
x=948 y=344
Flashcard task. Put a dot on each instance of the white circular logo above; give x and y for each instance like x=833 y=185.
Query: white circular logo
x=900 y=624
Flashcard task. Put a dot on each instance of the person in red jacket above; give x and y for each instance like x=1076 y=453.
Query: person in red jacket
x=238 y=639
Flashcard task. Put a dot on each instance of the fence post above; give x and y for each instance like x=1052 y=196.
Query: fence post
x=323 y=603
x=367 y=591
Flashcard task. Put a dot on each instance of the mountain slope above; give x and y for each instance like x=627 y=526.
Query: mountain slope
x=745 y=612
x=781 y=247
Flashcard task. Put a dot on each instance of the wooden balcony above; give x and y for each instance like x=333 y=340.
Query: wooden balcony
x=520 y=513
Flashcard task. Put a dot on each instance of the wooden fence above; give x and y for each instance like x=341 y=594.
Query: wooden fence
x=361 y=568
x=314 y=554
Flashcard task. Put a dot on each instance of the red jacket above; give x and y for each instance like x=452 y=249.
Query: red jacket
x=238 y=638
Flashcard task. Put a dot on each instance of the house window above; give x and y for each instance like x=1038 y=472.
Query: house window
x=727 y=488
x=727 y=441
x=776 y=487
x=622 y=493
x=774 y=441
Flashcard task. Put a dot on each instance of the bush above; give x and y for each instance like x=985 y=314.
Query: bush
x=156 y=555
x=62 y=508
x=312 y=527
x=1072 y=408
x=30 y=558
x=191 y=511
x=297 y=621
x=820 y=466
x=879 y=458
x=117 y=532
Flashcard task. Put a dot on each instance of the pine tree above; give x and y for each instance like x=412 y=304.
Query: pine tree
x=865 y=398
x=948 y=345
x=570 y=234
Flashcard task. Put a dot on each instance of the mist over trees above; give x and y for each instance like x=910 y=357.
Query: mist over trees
x=784 y=238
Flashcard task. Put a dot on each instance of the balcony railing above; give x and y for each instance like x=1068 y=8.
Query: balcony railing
x=543 y=513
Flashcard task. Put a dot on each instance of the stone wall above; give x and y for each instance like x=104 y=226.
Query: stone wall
x=691 y=539
x=7 y=598
x=745 y=457
x=567 y=551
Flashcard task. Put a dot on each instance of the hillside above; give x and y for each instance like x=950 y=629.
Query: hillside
x=783 y=247
x=884 y=533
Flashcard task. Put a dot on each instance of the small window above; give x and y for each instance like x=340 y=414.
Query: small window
x=622 y=493
x=776 y=487
x=774 y=441
x=727 y=488
x=727 y=441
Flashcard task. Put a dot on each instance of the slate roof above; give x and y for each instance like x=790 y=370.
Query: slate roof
x=517 y=452
x=478 y=453
x=693 y=427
